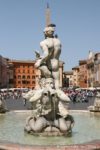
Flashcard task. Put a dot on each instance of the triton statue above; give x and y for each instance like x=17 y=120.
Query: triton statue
x=50 y=114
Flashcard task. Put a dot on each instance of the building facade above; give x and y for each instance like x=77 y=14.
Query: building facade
x=90 y=70
x=24 y=74
x=68 y=79
x=3 y=72
x=83 y=73
x=93 y=67
x=75 y=76
x=97 y=70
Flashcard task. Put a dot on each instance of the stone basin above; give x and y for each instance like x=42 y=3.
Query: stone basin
x=86 y=129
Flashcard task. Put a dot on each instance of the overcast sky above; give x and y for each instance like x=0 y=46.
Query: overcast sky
x=77 y=24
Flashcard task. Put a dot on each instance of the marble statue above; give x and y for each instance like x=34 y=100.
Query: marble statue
x=48 y=63
x=96 y=106
x=50 y=113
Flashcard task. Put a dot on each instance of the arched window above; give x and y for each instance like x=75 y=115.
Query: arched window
x=33 y=82
x=28 y=77
x=33 y=77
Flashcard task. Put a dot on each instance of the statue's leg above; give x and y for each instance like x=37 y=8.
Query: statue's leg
x=57 y=52
x=62 y=125
x=56 y=77
x=27 y=128
x=56 y=123
x=39 y=124
x=55 y=72
x=27 y=125
x=45 y=71
x=68 y=123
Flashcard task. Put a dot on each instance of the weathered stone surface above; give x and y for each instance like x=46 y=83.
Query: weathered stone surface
x=94 y=145
x=50 y=104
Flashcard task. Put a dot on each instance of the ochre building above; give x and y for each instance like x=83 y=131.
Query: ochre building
x=83 y=73
x=24 y=74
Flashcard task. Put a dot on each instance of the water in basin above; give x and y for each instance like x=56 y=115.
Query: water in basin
x=86 y=128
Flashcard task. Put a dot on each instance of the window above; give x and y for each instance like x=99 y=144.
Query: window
x=19 y=82
x=23 y=76
x=24 y=81
x=85 y=81
x=28 y=77
x=33 y=82
x=17 y=66
x=33 y=77
x=28 y=82
x=18 y=71
x=28 y=71
x=19 y=77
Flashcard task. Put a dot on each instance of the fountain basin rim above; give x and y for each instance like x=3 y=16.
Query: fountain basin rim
x=95 y=144
x=29 y=111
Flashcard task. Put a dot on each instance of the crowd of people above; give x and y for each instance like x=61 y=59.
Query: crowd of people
x=12 y=93
x=80 y=95
x=74 y=95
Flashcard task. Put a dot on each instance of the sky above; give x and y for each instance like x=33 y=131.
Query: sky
x=77 y=24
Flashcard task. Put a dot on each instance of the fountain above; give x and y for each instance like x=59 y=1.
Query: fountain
x=50 y=115
x=50 y=104
x=96 y=106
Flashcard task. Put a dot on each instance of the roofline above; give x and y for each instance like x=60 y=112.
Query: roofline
x=21 y=61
